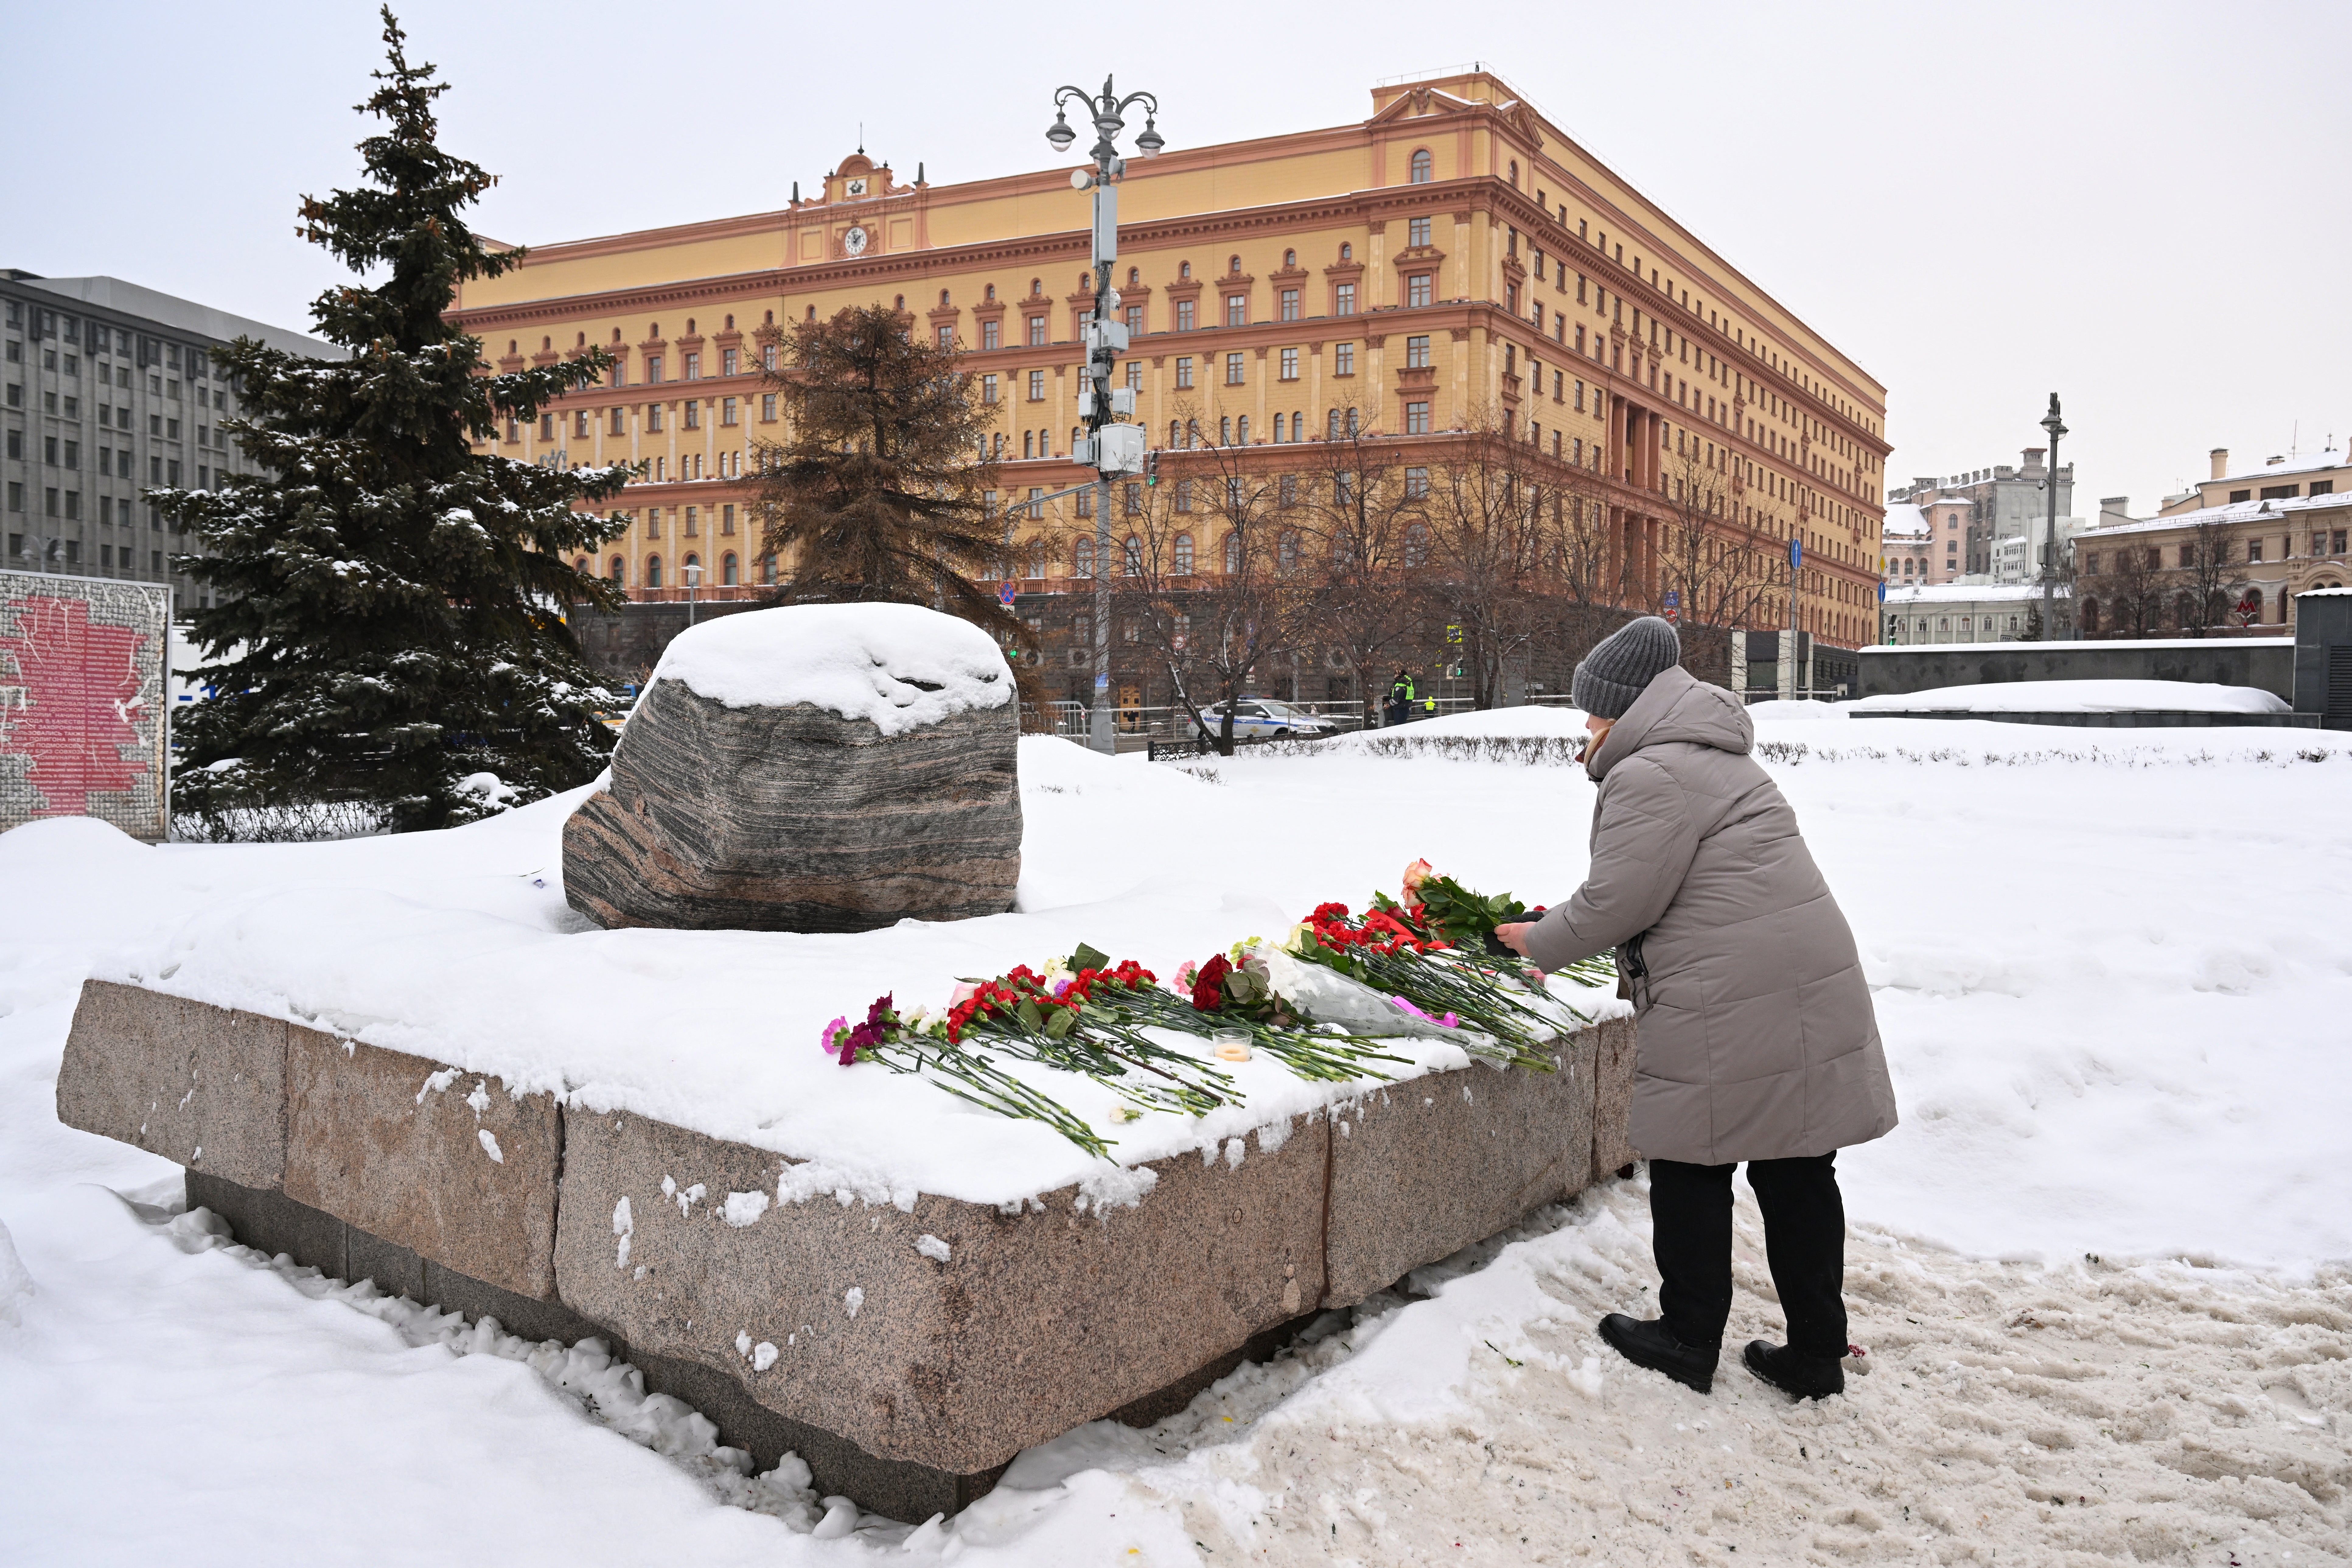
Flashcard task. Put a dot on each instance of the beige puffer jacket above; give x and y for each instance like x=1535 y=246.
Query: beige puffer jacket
x=1757 y=1041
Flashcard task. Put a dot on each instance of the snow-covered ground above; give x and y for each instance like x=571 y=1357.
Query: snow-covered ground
x=2101 y=1268
x=2080 y=696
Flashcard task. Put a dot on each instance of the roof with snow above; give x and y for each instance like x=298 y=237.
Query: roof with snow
x=1966 y=593
x=2236 y=513
x=2325 y=458
x=1903 y=520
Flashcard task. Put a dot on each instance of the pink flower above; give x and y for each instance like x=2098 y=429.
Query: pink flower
x=1447 y=1022
x=964 y=991
x=1185 y=974
x=831 y=1039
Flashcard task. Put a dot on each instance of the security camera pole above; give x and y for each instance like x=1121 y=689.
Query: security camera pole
x=1110 y=448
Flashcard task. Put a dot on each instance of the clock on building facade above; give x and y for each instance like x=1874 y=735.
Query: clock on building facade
x=853 y=242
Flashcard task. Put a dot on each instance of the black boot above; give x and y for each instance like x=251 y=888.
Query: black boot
x=1804 y=1376
x=1649 y=1344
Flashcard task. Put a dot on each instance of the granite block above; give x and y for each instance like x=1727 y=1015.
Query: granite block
x=1612 y=1146
x=1042 y=1317
x=1423 y=1168
x=447 y=1164
x=198 y=1084
x=268 y=1221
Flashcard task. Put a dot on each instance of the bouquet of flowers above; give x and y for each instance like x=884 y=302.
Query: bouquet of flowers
x=912 y=1044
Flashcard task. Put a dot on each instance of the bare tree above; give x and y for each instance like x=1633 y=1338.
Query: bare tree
x=1490 y=543
x=2209 y=575
x=1724 y=566
x=1216 y=576
x=2126 y=592
x=1355 y=491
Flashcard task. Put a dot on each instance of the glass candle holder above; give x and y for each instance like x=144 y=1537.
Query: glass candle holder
x=1232 y=1045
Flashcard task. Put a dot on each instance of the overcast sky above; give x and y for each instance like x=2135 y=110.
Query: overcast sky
x=2139 y=207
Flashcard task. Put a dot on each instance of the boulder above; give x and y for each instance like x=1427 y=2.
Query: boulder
x=811 y=768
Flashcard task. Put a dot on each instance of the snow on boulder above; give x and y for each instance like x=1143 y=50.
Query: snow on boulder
x=816 y=768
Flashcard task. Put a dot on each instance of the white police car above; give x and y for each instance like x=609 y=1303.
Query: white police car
x=1263 y=718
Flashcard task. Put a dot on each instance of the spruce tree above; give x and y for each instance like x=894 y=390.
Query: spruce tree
x=387 y=609
x=880 y=491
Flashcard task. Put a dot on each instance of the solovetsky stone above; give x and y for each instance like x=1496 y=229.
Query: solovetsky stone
x=816 y=768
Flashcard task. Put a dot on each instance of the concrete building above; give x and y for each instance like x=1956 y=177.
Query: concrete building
x=1963 y=613
x=1972 y=511
x=1906 y=539
x=2137 y=575
x=106 y=388
x=1452 y=260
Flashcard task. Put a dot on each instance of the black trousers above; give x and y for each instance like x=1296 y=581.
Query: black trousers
x=1804 y=1240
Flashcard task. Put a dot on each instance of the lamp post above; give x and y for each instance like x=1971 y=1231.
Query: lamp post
x=692 y=572
x=2056 y=427
x=1110 y=449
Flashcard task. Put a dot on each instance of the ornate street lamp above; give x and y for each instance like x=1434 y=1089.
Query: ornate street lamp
x=1110 y=448
x=2056 y=427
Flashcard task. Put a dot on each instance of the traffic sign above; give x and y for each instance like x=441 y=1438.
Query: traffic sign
x=1796 y=553
x=1005 y=594
x=1674 y=604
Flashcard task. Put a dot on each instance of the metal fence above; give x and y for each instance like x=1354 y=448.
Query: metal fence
x=1158 y=729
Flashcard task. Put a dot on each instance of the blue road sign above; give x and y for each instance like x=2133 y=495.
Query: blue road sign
x=1796 y=553
x=1005 y=594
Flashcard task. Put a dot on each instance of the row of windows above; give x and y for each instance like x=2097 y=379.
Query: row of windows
x=100 y=338
x=690 y=571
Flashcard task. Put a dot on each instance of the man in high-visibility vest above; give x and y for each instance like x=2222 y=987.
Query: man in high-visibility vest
x=1400 y=699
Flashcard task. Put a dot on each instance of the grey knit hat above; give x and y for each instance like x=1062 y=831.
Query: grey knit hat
x=1621 y=663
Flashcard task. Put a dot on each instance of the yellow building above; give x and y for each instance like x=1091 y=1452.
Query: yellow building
x=1452 y=260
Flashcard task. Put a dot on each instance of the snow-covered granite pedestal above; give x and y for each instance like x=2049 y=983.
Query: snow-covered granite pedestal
x=816 y=768
x=907 y=1350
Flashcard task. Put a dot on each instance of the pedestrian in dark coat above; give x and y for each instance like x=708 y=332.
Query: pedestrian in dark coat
x=1757 y=1043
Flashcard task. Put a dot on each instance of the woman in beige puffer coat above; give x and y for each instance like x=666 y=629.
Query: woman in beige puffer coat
x=1757 y=1043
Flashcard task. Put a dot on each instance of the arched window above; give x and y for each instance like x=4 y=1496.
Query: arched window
x=1514 y=171
x=1234 y=265
x=691 y=570
x=690 y=326
x=545 y=344
x=619 y=572
x=768 y=569
x=1286 y=552
x=730 y=323
x=1277 y=429
x=1077 y=434
x=1036 y=286
x=1290 y=258
x=616 y=334
x=581 y=565
x=943 y=296
x=2089 y=617
x=1225 y=431
x=1132 y=565
x=897 y=302
x=1192 y=432
x=1183 y=269
x=1233 y=554
x=1416 y=545
x=1347 y=252
x=1175 y=433
x=1028 y=443
x=769 y=316
x=653 y=572
x=1036 y=558
x=1424 y=169
x=1083 y=560
x=726 y=572
x=1134 y=275
x=1243 y=427
x=1183 y=554
x=988 y=295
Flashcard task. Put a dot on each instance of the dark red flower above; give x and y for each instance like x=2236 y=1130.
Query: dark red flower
x=1209 y=985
